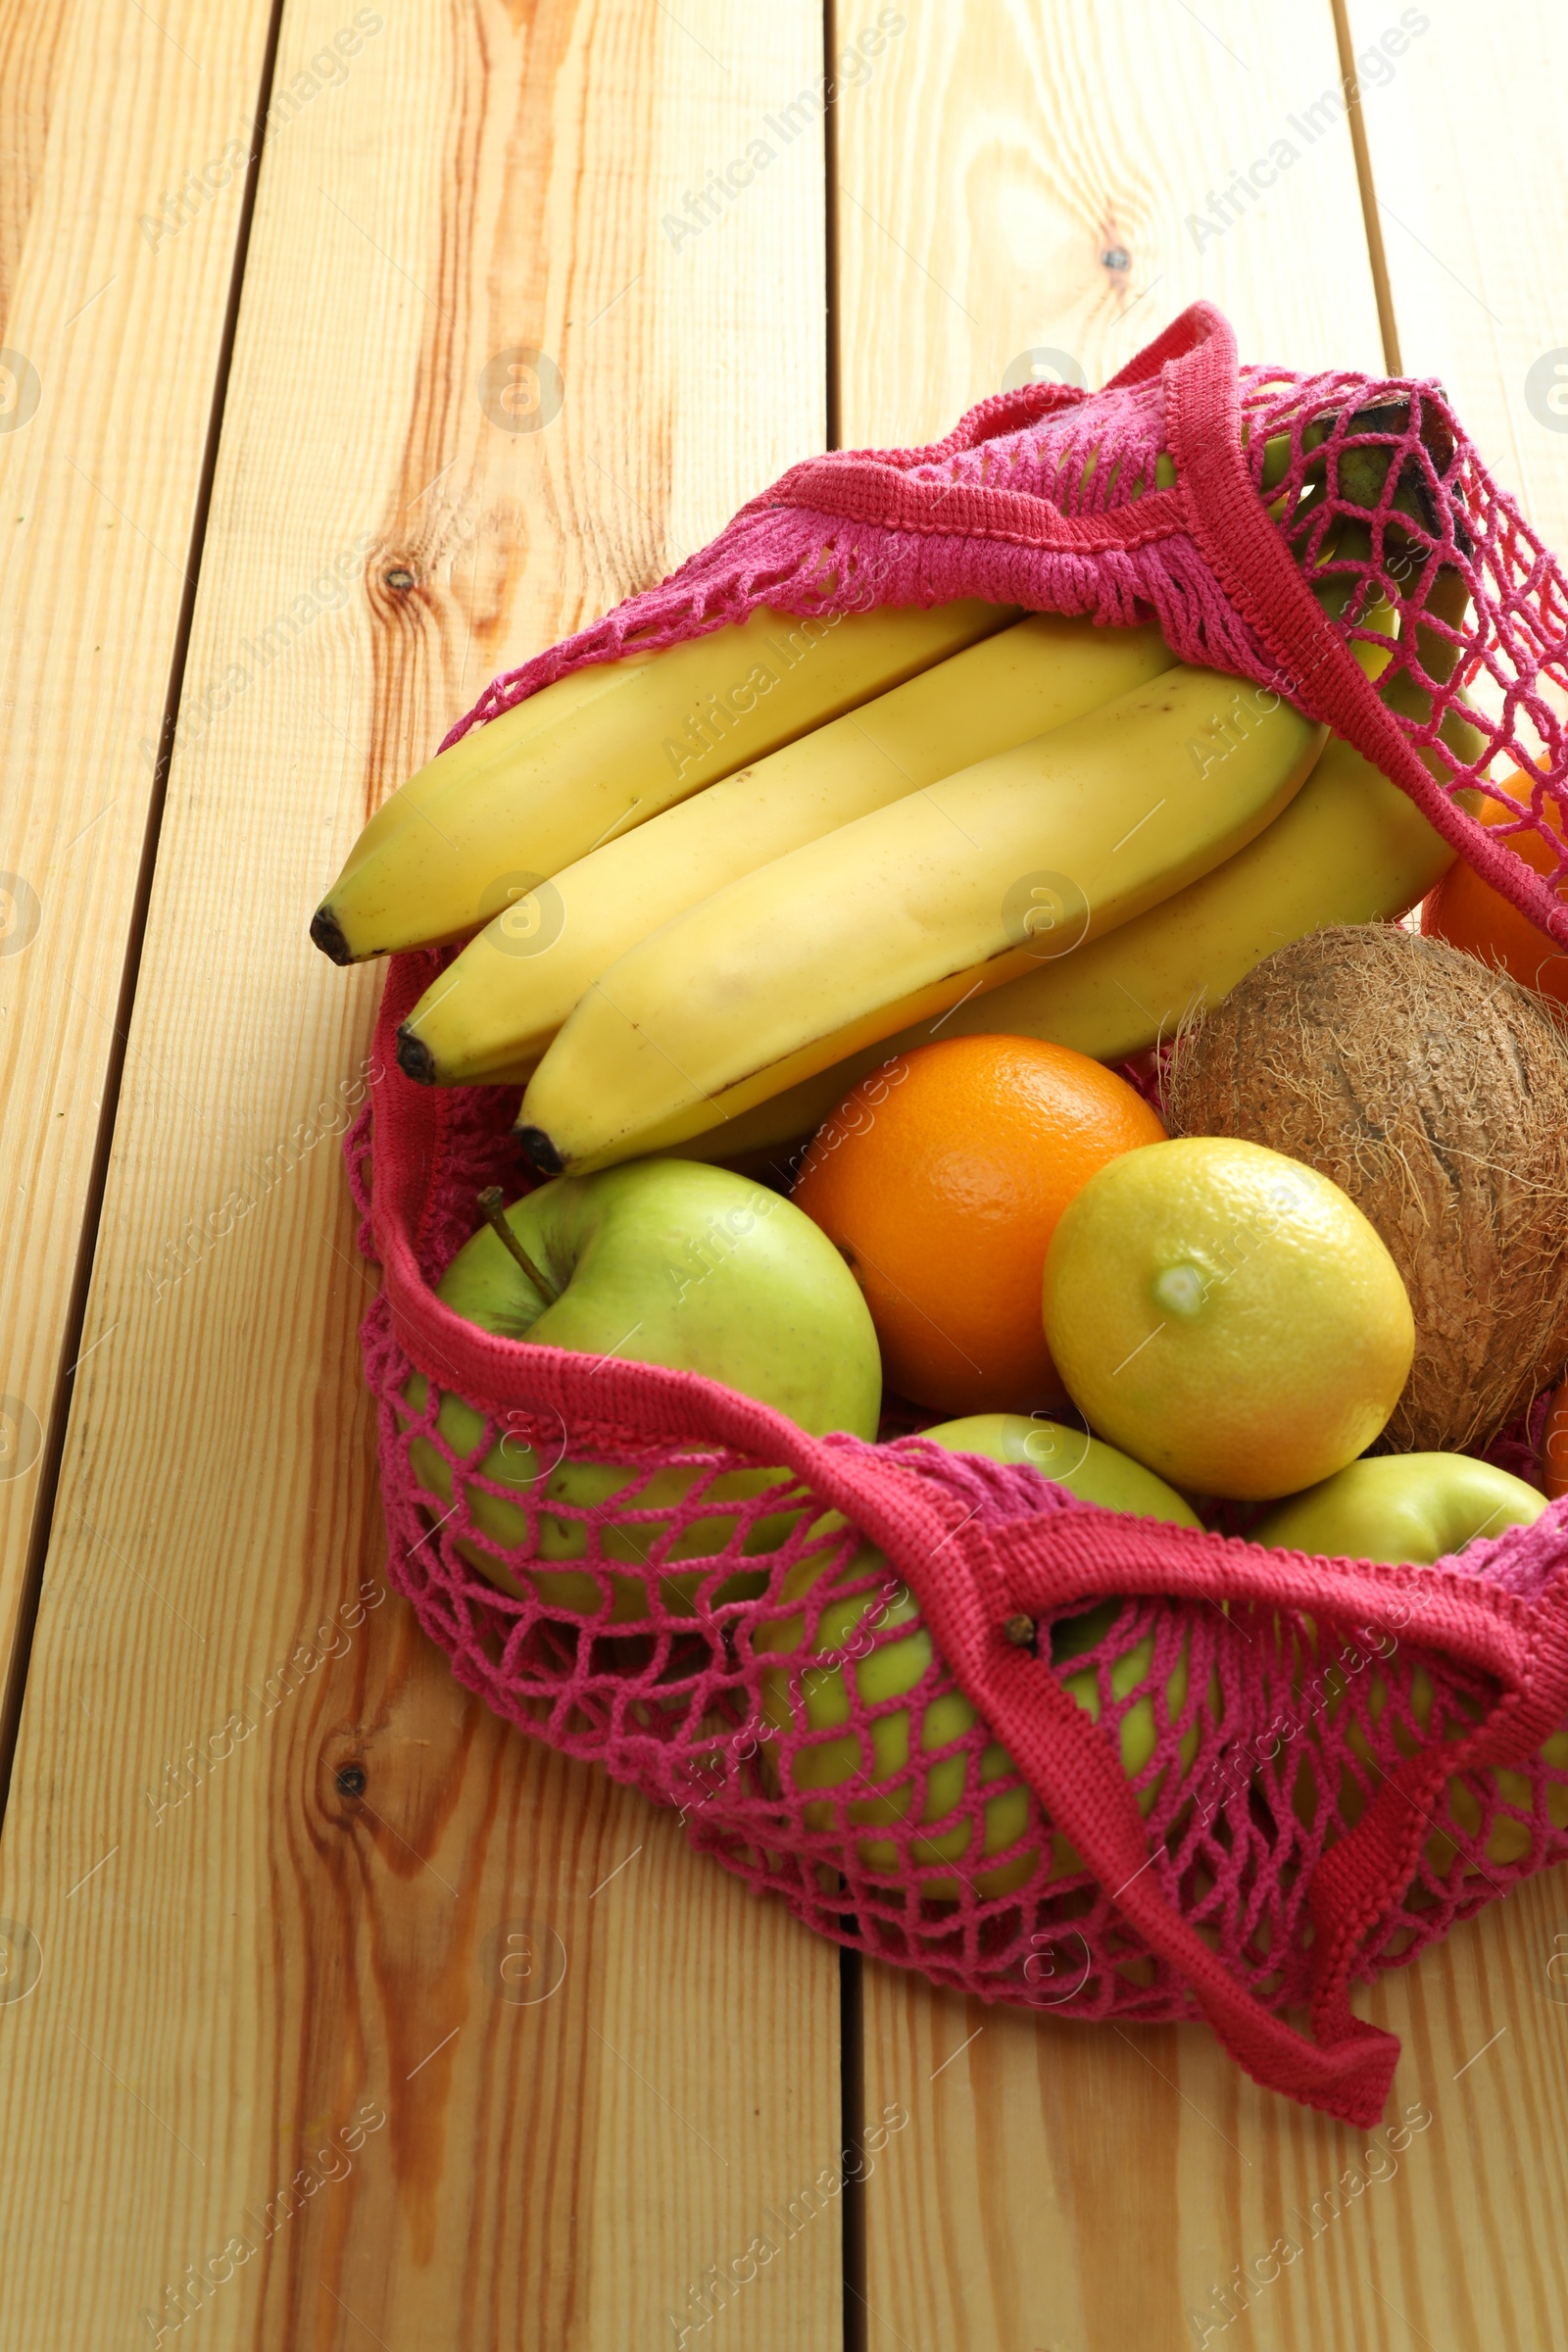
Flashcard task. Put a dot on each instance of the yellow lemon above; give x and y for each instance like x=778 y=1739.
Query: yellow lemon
x=1227 y=1317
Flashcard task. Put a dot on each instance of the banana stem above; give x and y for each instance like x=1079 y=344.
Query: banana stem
x=1277 y=449
x=1337 y=594
x=1447 y=600
x=1437 y=654
x=1362 y=472
x=1439 y=657
x=491 y=1210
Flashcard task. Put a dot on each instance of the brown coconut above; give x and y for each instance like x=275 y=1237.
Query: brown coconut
x=1434 y=1091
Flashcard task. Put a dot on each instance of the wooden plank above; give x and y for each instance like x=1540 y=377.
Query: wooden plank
x=1042 y=179
x=233 y=1975
x=1073 y=2187
x=112 y=315
x=1078 y=2188
x=1472 y=310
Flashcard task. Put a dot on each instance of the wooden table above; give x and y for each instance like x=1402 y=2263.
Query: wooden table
x=265 y=542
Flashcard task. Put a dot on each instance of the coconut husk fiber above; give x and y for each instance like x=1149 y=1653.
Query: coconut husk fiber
x=1435 y=1092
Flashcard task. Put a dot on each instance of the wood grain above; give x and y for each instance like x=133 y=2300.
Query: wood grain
x=1464 y=239
x=273 y=1899
x=1071 y=2188
x=1024 y=176
x=111 y=332
x=1081 y=2188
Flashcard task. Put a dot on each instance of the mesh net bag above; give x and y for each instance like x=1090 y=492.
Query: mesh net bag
x=896 y=1685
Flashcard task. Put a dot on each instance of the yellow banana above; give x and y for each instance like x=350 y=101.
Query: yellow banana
x=608 y=747
x=491 y=1014
x=1350 y=848
x=898 y=915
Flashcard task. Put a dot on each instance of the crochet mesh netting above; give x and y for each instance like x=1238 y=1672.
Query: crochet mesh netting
x=1343 y=1760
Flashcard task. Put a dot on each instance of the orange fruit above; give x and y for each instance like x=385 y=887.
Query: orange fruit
x=941 y=1177
x=1470 y=915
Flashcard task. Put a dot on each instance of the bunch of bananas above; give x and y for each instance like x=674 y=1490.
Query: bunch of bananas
x=705 y=889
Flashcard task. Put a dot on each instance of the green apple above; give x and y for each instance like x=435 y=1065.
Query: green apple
x=1090 y=1468
x=659 y=1261
x=1416 y=1507
x=1419 y=1508
x=1097 y=1473
x=809 y=1682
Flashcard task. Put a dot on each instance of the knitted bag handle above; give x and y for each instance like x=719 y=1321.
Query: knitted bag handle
x=862 y=486
x=1039 y=1564
x=1215 y=502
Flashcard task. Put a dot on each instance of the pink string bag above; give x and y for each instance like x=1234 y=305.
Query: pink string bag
x=1346 y=1757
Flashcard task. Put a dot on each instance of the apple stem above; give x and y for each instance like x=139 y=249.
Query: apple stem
x=491 y=1210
